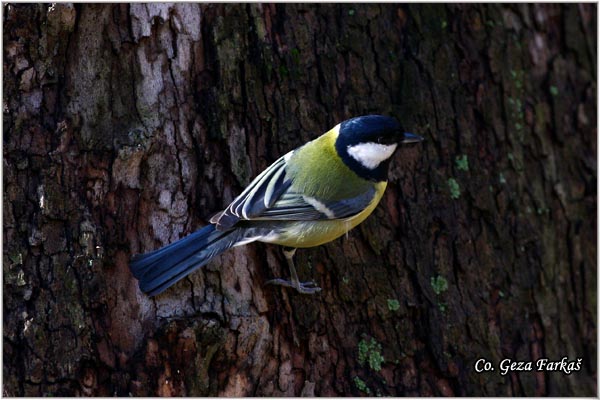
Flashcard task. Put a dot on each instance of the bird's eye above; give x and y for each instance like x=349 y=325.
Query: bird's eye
x=380 y=139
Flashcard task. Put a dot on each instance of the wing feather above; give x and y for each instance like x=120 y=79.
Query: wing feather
x=271 y=196
x=275 y=187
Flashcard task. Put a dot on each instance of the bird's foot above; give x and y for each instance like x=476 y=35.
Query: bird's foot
x=302 y=287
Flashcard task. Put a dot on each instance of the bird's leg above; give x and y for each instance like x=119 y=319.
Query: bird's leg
x=301 y=287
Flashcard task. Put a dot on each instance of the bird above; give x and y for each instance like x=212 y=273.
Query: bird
x=309 y=196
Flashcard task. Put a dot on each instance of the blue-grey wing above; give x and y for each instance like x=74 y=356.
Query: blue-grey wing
x=271 y=196
x=295 y=206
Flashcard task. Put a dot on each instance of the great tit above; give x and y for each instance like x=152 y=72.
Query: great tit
x=310 y=196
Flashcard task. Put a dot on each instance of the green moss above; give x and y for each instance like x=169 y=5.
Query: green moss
x=370 y=352
x=515 y=108
x=444 y=24
x=517 y=76
x=462 y=162
x=17 y=259
x=516 y=163
x=501 y=178
x=351 y=12
x=295 y=53
x=439 y=284
x=201 y=383
x=361 y=385
x=442 y=306
x=21 y=278
x=454 y=188
x=554 y=90
x=393 y=304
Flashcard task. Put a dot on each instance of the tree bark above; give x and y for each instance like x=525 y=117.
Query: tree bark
x=127 y=126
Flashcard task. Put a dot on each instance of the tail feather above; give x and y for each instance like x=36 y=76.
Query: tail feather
x=177 y=273
x=140 y=262
x=158 y=270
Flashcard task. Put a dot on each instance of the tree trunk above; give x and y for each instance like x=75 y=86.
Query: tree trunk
x=127 y=126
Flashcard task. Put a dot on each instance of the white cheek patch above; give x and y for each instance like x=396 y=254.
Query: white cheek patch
x=370 y=155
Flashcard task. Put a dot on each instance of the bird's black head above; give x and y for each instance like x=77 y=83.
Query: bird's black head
x=366 y=144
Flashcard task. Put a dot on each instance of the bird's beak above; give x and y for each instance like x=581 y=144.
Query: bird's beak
x=411 y=138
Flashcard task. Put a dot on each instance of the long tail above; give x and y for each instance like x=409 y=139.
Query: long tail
x=158 y=270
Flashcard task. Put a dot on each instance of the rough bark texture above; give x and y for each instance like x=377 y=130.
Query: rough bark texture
x=127 y=126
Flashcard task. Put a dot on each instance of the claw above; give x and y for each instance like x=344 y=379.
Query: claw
x=301 y=287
